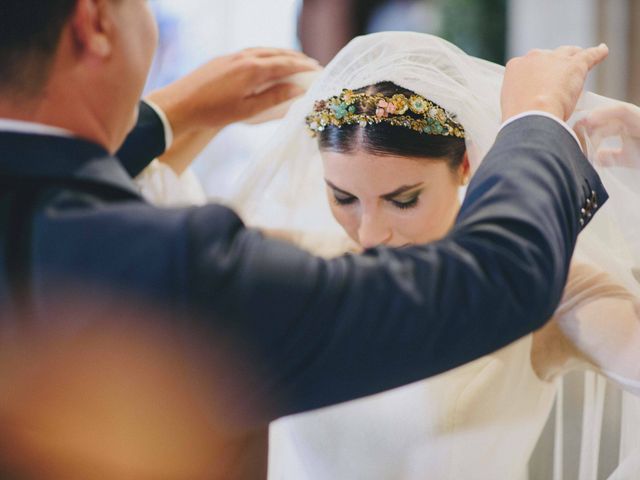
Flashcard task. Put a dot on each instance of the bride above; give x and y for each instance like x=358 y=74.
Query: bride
x=399 y=122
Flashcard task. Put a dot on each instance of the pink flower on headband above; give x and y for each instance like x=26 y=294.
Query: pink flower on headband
x=385 y=109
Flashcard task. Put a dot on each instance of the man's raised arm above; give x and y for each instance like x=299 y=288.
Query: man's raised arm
x=324 y=332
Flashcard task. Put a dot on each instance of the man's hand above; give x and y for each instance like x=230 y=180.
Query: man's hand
x=231 y=88
x=621 y=119
x=548 y=80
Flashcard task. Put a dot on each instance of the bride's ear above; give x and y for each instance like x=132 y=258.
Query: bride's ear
x=465 y=170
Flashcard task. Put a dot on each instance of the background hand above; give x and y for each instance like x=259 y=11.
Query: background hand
x=232 y=88
x=548 y=80
x=621 y=120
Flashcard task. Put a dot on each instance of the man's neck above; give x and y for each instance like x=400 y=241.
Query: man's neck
x=57 y=110
x=24 y=120
x=17 y=106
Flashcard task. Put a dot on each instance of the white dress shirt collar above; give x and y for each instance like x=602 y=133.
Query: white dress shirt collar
x=20 y=126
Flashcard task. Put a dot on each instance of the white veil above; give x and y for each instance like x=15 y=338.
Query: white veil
x=290 y=169
x=284 y=189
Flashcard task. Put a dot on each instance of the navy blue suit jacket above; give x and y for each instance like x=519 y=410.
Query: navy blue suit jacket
x=319 y=331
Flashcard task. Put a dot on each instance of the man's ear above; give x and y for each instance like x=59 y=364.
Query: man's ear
x=92 y=28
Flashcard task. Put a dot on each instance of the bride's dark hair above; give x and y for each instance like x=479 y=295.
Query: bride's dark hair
x=384 y=139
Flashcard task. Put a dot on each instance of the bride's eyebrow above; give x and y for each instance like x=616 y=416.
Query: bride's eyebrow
x=401 y=190
x=338 y=189
x=386 y=196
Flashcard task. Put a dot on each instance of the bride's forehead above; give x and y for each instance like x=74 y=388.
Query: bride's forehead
x=384 y=169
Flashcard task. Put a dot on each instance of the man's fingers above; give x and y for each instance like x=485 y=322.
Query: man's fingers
x=277 y=68
x=272 y=97
x=593 y=56
x=260 y=52
x=568 y=50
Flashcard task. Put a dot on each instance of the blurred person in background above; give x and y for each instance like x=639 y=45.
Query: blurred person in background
x=477 y=26
x=327 y=26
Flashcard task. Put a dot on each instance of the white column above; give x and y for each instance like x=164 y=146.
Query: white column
x=633 y=55
x=551 y=23
x=614 y=28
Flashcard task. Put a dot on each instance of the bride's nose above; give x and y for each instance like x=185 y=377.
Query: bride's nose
x=373 y=232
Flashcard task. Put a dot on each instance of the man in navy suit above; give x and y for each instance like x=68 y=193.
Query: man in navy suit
x=319 y=332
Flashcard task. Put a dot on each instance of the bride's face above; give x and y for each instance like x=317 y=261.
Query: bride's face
x=390 y=200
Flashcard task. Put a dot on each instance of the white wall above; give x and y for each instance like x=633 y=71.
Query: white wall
x=209 y=28
x=551 y=23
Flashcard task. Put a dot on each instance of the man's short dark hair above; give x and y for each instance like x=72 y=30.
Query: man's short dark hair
x=29 y=36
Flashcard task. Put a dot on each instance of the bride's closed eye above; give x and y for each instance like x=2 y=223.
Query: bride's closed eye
x=405 y=204
x=404 y=198
x=340 y=198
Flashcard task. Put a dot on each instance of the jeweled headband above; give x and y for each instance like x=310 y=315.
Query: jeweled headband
x=350 y=108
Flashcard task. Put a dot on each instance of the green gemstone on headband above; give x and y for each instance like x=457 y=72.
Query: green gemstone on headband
x=340 y=111
x=427 y=129
x=352 y=109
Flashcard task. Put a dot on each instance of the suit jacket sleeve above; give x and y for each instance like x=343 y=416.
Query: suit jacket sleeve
x=145 y=142
x=326 y=331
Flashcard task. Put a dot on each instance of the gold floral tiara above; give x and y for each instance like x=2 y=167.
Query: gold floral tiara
x=350 y=108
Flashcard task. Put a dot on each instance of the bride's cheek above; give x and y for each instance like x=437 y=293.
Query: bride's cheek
x=424 y=224
x=342 y=215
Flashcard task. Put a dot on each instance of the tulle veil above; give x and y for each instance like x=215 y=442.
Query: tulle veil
x=284 y=188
